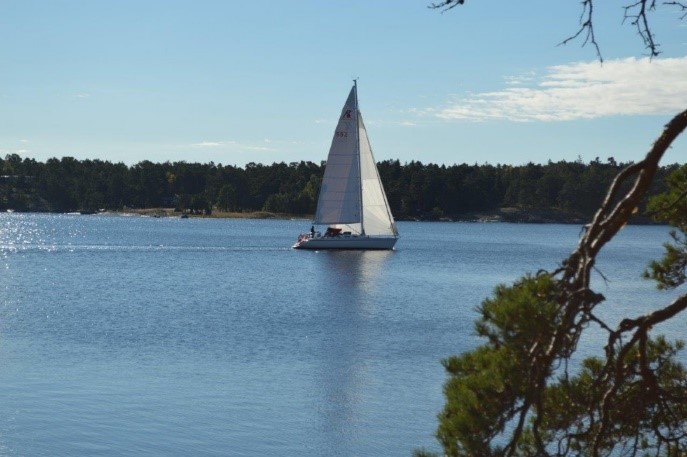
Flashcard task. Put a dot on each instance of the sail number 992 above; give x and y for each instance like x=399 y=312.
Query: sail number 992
x=340 y=134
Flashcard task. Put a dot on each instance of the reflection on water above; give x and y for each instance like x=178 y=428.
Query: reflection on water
x=351 y=280
x=354 y=271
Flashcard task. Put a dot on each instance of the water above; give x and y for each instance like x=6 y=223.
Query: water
x=169 y=337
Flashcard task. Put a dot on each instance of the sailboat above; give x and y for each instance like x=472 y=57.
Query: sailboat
x=352 y=203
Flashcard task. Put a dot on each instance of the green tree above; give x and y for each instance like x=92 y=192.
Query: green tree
x=278 y=203
x=226 y=200
x=414 y=189
x=520 y=393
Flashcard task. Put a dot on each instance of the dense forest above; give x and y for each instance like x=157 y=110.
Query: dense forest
x=557 y=191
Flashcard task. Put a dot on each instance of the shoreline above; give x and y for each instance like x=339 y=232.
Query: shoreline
x=501 y=215
x=170 y=212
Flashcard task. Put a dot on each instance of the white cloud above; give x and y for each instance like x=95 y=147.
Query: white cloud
x=583 y=90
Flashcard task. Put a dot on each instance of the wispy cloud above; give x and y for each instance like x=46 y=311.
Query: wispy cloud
x=21 y=149
x=233 y=146
x=207 y=144
x=520 y=79
x=582 y=90
x=18 y=151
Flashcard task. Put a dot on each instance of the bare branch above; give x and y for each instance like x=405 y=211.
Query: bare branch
x=680 y=5
x=637 y=13
x=446 y=4
x=586 y=28
x=644 y=323
x=609 y=219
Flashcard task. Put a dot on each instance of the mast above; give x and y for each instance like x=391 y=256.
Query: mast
x=357 y=150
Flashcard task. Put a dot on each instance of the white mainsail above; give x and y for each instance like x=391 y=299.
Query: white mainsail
x=339 y=201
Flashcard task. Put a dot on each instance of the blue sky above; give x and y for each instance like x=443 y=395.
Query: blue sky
x=241 y=81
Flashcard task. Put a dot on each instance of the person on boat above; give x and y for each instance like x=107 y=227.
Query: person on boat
x=312 y=231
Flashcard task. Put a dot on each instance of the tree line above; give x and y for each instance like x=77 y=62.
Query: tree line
x=415 y=190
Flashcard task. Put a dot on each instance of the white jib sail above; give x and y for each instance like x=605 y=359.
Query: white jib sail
x=339 y=200
x=377 y=218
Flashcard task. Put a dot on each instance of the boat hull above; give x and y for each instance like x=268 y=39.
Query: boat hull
x=347 y=242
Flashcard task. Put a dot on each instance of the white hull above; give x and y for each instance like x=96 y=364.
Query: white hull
x=346 y=242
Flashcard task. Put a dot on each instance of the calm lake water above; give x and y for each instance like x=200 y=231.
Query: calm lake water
x=176 y=337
